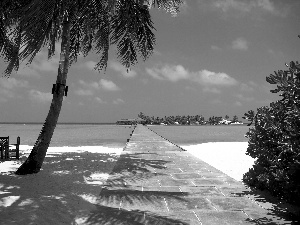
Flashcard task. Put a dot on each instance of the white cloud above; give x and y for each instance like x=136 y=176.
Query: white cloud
x=27 y=71
x=154 y=74
x=240 y=44
x=206 y=77
x=40 y=96
x=99 y=100
x=118 y=101
x=108 y=85
x=91 y=85
x=121 y=69
x=237 y=103
x=10 y=86
x=11 y=83
x=41 y=63
x=82 y=92
x=211 y=90
x=246 y=87
x=178 y=72
x=226 y=5
x=102 y=84
x=172 y=73
x=266 y=5
x=245 y=6
x=243 y=98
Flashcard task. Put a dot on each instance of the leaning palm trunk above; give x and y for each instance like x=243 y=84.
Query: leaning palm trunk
x=27 y=26
x=36 y=158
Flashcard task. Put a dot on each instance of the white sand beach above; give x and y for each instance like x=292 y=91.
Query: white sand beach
x=63 y=192
x=66 y=189
x=228 y=157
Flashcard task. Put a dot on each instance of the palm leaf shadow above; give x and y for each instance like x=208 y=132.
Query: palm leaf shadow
x=115 y=216
x=131 y=169
x=116 y=197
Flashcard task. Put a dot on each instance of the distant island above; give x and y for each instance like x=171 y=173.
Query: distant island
x=180 y=120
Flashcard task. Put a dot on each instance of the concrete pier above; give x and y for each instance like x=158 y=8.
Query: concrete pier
x=155 y=182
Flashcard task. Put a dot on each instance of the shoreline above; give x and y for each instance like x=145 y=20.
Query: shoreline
x=228 y=157
x=12 y=166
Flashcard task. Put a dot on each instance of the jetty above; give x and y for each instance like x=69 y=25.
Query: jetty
x=155 y=181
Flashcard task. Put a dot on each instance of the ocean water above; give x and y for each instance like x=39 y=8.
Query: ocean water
x=70 y=134
x=116 y=135
x=190 y=135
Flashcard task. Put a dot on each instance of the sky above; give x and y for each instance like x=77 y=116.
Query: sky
x=211 y=60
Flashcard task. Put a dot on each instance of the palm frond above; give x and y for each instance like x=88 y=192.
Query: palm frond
x=26 y=26
x=131 y=31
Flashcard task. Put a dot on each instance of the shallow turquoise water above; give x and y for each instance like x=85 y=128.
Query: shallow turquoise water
x=188 y=135
x=116 y=136
x=70 y=134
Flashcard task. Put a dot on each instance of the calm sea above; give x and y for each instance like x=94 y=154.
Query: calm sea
x=116 y=136
x=70 y=134
x=188 y=135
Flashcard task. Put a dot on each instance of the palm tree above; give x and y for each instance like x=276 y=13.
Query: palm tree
x=82 y=25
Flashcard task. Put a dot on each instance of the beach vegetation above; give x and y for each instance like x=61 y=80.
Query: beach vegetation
x=274 y=138
x=188 y=120
x=28 y=26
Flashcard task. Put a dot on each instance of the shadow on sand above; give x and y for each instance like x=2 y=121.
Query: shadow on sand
x=86 y=188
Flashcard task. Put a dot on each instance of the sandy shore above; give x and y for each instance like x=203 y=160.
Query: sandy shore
x=10 y=166
x=68 y=183
x=229 y=157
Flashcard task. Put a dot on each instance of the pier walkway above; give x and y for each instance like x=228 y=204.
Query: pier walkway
x=156 y=182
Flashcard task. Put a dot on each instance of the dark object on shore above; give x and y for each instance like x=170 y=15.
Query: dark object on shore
x=6 y=150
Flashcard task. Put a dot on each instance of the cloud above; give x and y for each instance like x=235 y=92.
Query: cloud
x=118 y=101
x=99 y=100
x=90 y=65
x=243 y=98
x=172 y=73
x=184 y=8
x=40 y=96
x=82 y=92
x=214 y=47
x=240 y=44
x=42 y=64
x=175 y=73
x=91 y=85
x=211 y=90
x=245 y=6
x=11 y=83
x=154 y=73
x=28 y=72
x=121 y=69
x=206 y=77
x=237 y=103
x=102 y=84
x=246 y=87
x=108 y=85
x=9 y=87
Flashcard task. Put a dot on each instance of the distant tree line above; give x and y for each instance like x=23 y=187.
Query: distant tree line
x=187 y=120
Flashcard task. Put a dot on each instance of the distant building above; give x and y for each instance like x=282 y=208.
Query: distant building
x=223 y=121
x=130 y=121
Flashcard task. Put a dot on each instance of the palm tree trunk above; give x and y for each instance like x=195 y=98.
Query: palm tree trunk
x=36 y=158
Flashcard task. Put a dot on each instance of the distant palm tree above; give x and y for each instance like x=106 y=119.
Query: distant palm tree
x=26 y=26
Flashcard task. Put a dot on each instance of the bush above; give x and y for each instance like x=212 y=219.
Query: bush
x=275 y=137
